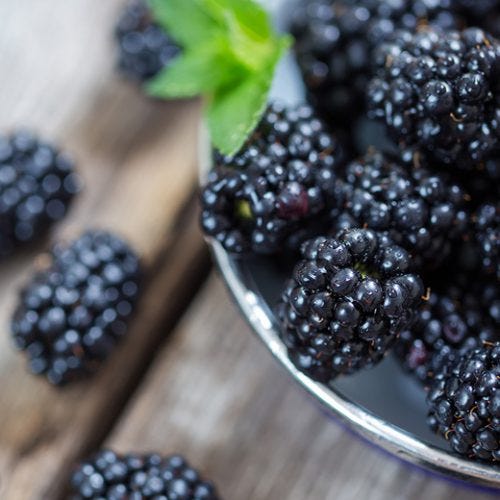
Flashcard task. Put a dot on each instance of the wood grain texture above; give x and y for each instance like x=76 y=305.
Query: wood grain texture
x=216 y=395
x=137 y=157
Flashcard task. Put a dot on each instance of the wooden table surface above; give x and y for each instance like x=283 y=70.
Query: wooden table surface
x=190 y=377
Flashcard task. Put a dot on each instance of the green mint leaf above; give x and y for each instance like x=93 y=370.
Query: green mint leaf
x=251 y=16
x=196 y=72
x=188 y=22
x=229 y=54
x=234 y=112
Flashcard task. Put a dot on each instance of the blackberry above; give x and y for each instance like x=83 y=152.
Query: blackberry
x=76 y=308
x=439 y=91
x=335 y=41
x=487 y=237
x=464 y=404
x=37 y=183
x=452 y=322
x=348 y=300
x=264 y=196
x=144 y=48
x=421 y=211
x=135 y=477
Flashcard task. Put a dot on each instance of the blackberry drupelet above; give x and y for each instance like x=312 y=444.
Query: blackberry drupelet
x=439 y=91
x=144 y=48
x=348 y=300
x=76 y=308
x=453 y=321
x=487 y=237
x=37 y=183
x=262 y=198
x=135 y=477
x=335 y=41
x=421 y=211
x=464 y=404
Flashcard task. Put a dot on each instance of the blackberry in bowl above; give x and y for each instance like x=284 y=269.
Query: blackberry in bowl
x=335 y=41
x=457 y=317
x=464 y=403
x=348 y=299
x=283 y=179
x=438 y=91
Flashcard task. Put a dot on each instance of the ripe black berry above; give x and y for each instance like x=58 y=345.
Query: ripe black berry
x=348 y=300
x=280 y=182
x=438 y=91
x=135 y=477
x=464 y=403
x=335 y=41
x=75 y=310
x=455 y=319
x=421 y=211
x=144 y=48
x=37 y=183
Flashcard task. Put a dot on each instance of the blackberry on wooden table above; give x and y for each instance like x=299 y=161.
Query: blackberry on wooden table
x=75 y=309
x=464 y=403
x=335 y=40
x=110 y=476
x=455 y=319
x=37 y=183
x=439 y=91
x=348 y=300
x=422 y=211
x=144 y=47
x=282 y=180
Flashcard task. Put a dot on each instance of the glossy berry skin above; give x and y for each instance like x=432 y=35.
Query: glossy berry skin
x=487 y=237
x=280 y=183
x=464 y=404
x=455 y=319
x=75 y=310
x=423 y=212
x=37 y=184
x=347 y=301
x=109 y=476
x=335 y=41
x=144 y=47
x=439 y=91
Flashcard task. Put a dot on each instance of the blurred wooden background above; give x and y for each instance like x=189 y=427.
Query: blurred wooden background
x=190 y=378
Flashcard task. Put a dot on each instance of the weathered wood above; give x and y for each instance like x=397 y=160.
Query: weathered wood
x=216 y=395
x=138 y=160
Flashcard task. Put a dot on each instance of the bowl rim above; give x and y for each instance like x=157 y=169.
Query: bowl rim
x=381 y=433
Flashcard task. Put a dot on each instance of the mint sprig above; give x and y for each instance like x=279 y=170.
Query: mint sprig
x=230 y=52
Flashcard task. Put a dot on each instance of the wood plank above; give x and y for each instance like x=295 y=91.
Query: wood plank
x=216 y=395
x=138 y=160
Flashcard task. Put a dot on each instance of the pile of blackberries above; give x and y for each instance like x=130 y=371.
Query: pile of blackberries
x=396 y=247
